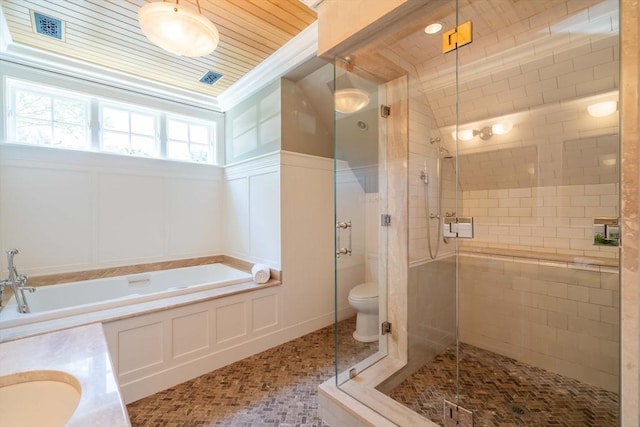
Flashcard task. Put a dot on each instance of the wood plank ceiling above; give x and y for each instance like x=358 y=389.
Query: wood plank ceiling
x=106 y=33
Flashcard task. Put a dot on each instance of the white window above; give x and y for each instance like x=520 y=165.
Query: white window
x=190 y=140
x=126 y=131
x=41 y=116
x=69 y=115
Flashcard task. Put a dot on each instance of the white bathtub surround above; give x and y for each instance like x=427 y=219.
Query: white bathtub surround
x=156 y=343
x=69 y=299
x=261 y=273
x=81 y=352
x=161 y=348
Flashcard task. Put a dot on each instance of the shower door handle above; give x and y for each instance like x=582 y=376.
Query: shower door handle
x=340 y=225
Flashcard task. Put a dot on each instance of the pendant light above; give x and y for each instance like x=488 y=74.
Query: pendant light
x=177 y=29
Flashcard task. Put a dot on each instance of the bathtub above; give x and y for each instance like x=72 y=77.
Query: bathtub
x=69 y=299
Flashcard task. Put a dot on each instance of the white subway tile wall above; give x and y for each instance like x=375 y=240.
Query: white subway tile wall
x=556 y=316
x=553 y=220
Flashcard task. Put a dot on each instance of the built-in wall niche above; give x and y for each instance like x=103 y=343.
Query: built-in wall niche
x=498 y=169
x=591 y=160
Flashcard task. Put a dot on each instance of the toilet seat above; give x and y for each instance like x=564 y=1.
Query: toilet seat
x=364 y=291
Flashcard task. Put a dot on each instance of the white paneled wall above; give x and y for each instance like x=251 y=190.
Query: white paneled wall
x=131 y=217
x=71 y=211
x=279 y=211
x=158 y=350
x=252 y=210
x=307 y=241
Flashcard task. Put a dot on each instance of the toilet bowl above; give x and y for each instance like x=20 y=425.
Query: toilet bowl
x=364 y=299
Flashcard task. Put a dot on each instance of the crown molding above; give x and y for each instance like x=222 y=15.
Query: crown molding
x=5 y=35
x=294 y=53
x=312 y=4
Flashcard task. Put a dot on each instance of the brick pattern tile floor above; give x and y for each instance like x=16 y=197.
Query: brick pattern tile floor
x=278 y=387
x=504 y=392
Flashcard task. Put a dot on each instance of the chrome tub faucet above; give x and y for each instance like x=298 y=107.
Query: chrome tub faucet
x=17 y=282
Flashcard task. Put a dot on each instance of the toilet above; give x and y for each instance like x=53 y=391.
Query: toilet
x=364 y=299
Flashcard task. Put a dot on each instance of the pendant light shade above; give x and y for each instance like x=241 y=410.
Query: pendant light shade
x=350 y=100
x=177 y=29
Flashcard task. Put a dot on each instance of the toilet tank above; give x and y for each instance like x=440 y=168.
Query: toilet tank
x=371 y=267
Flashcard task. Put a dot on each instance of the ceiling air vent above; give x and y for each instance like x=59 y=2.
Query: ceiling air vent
x=210 y=78
x=47 y=26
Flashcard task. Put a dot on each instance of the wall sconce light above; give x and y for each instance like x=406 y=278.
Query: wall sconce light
x=602 y=109
x=177 y=29
x=485 y=133
x=350 y=100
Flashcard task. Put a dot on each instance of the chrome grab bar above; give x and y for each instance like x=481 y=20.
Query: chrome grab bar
x=340 y=225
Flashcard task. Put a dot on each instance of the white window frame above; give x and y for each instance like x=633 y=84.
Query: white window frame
x=14 y=85
x=130 y=109
x=99 y=94
x=212 y=142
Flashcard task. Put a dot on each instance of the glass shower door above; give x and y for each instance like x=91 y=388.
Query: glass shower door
x=360 y=262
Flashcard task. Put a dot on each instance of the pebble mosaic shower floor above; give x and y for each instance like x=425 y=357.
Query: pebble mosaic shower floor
x=504 y=392
x=278 y=387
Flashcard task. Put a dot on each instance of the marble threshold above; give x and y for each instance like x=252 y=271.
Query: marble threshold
x=351 y=402
x=80 y=352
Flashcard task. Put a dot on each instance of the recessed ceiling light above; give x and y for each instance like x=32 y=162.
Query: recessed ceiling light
x=433 y=28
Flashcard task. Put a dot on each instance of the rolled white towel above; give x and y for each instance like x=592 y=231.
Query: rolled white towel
x=261 y=273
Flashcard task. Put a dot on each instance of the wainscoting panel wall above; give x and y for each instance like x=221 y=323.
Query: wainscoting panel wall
x=154 y=351
x=252 y=210
x=71 y=211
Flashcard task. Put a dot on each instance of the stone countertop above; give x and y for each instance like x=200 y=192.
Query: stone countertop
x=81 y=352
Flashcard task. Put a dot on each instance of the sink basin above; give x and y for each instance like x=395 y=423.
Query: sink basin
x=38 y=398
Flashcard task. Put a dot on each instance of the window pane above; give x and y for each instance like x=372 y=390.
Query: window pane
x=177 y=130
x=199 y=153
x=70 y=136
x=115 y=142
x=178 y=150
x=143 y=124
x=33 y=105
x=199 y=134
x=115 y=119
x=69 y=111
x=142 y=145
x=33 y=132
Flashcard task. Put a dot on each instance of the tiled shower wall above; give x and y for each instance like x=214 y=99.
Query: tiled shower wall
x=553 y=220
x=422 y=158
x=560 y=317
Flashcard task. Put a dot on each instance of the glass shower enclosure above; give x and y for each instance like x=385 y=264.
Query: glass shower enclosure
x=498 y=165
